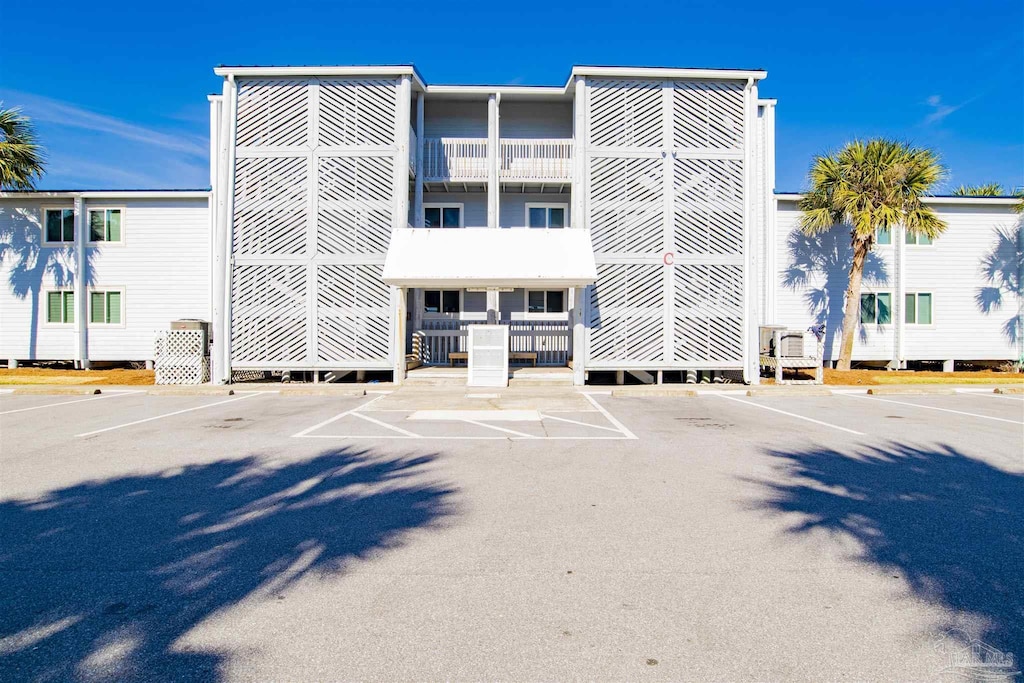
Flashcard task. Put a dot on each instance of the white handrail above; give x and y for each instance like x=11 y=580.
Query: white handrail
x=455 y=158
x=536 y=159
x=412 y=152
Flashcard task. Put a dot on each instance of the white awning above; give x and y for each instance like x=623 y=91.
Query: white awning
x=489 y=257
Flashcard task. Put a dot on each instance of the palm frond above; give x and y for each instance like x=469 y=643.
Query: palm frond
x=21 y=158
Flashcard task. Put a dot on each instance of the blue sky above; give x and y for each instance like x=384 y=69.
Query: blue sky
x=118 y=89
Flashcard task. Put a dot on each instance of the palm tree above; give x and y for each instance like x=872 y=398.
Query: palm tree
x=21 y=158
x=983 y=190
x=878 y=184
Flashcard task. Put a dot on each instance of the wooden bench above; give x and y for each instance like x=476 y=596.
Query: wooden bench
x=524 y=356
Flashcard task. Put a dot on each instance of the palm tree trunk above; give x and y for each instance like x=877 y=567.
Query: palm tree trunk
x=851 y=310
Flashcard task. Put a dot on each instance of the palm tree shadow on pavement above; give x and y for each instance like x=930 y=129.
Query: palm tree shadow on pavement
x=101 y=578
x=949 y=524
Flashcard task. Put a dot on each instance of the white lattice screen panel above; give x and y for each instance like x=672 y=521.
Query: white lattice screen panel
x=626 y=314
x=626 y=204
x=180 y=357
x=708 y=115
x=272 y=113
x=625 y=113
x=708 y=206
x=356 y=204
x=271 y=205
x=268 y=315
x=353 y=313
x=357 y=112
x=666 y=209
x=314 y=204
x=708 y=312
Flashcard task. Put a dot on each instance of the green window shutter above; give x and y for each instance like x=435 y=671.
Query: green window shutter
x=884 y=236
x=53 y=225
x=68 y=219
x=96 y=307
x=95 y=226
x=69 y=307
x=114 y=308
x=924 y=309
x=867 y=309
x=114 y=225
x=910 y=308
x=924 y=239
x=884 y=308
x=53 y=307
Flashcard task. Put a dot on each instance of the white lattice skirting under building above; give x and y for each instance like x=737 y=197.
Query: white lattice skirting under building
x=181 y=357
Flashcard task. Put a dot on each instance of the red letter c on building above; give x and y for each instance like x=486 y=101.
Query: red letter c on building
x=669 y=258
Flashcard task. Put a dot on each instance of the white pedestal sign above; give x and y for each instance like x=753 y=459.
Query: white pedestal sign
x=488 y=356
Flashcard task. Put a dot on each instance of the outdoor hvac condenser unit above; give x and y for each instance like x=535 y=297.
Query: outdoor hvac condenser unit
x=488 y=356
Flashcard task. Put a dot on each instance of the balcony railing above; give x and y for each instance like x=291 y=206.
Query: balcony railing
x=466 y=160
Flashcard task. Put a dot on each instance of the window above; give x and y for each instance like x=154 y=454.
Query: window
x=442 y=215
x=883 y=236
x=876 y=308
x=105 y=225
x=539 y=301
x=917 y=239
x=441 y=301
x=60 y=308
x=918 y=308
x=105 y=308
x=59 y=225
x=546 y=215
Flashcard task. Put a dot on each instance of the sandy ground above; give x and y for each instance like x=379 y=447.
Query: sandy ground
x=56 y=376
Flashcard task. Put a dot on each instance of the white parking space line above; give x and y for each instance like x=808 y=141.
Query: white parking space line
x=77 y=400
x=944 y=410
x=577 y=422
x=310 y=430
x=522 y=435
x=160 y=417
x=794 y=415
x=989 y=394
x=385 y=425
x=611 y=418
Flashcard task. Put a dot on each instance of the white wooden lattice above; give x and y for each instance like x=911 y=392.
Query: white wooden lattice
x=180 y=357
x=314 y=183
x=665 y=206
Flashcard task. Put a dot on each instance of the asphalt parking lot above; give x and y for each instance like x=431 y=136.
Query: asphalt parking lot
x=576 y=536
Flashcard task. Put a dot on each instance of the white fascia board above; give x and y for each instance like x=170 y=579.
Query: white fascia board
x=307 y=71
x=109 y=194
x=961 y=201
x=517 y=91
x=663 y=72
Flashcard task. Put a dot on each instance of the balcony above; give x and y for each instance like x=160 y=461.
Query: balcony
x=463 y=162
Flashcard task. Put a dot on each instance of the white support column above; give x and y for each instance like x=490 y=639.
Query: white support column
x=899 y=290
x=398 y=333
x=579 y=170
x=418 y=191
x=492 y=307
x=216 y=237
x=402 y=162
x=81 y=287
x=579 y=340
x=226 y=190
x=493 y=157
x=749 y=327
x=771 y=276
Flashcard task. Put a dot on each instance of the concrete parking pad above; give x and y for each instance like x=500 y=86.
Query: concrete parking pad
x=199 y=540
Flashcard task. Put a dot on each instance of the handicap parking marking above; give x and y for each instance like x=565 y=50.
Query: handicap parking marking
x=927 y=407
x=111 y=394
x=787 y=413
x=171 y=414
x=429 y=421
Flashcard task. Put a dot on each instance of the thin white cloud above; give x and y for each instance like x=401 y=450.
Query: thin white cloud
x=61 y=113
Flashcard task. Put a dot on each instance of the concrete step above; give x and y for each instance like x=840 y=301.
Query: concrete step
x=559 y=381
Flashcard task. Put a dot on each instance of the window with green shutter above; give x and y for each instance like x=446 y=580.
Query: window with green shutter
x=918 y=308
x=876 y=308
x=105 y=225
x=105 y=308
x=60 y=307
x=918 y=239
x=59 y=225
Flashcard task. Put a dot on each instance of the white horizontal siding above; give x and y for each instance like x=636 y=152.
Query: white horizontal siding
x=455 y=118
x=949 y=269
x=163 y=268
x=525 y=120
